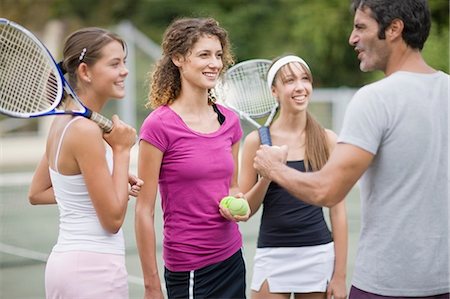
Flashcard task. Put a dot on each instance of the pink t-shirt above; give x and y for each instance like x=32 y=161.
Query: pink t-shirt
x=196 y=173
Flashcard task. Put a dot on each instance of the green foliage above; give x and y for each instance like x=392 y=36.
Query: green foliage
x=436 y=50
x=317 y=30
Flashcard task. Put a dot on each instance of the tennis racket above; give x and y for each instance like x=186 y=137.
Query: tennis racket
x=31 y=83
x=244 y=89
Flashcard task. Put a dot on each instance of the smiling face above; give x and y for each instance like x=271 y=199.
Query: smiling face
x=201 y=67
x=373 y=52
x=293 y=86
x=109 y=72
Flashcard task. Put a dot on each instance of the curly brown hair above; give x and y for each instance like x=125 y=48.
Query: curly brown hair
x=179 y=38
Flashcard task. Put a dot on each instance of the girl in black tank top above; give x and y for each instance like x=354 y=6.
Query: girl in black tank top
x=286 y=221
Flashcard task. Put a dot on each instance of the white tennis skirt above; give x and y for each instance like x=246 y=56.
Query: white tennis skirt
x=294 y=269
x=83 y=275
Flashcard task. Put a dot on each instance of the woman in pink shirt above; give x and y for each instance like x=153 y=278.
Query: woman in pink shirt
x=189 y=147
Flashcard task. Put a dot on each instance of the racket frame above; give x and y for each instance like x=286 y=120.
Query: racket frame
x=224 y=84
x=64 y=89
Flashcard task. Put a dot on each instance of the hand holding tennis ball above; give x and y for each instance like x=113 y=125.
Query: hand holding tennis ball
x=236 y=205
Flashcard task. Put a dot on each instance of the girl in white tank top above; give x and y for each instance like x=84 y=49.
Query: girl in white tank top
x=87 y=177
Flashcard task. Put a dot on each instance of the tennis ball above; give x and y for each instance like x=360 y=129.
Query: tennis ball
x=224 y=202
x=238 y=206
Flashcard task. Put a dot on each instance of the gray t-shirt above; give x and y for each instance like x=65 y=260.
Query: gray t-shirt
x=404 y=240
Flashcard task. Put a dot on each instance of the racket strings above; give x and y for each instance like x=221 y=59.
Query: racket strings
x=246 y=90
x=28 y=83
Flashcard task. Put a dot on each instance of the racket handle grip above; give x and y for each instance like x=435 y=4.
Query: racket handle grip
x=264 y=135
x=104 y=123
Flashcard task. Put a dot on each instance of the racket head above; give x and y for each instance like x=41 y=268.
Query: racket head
x=244 y=88
x=31 y=84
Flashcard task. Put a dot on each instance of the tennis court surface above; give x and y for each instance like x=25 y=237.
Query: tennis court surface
x=28 y=233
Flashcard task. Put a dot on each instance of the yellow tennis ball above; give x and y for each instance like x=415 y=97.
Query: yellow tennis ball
x=238 y=206
x=225 y=201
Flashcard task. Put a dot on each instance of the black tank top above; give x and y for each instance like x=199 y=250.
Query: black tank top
x=289 y=222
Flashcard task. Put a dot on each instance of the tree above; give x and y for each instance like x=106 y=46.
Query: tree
x=317 y=30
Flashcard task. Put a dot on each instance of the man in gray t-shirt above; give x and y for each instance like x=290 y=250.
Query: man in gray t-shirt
x=402 y=121
x=395 y=138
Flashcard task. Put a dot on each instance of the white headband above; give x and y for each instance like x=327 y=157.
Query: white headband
x=279 y=64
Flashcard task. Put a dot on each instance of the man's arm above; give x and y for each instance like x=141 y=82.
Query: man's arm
x=326 y=187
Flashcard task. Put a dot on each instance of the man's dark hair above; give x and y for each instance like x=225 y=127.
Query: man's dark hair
x=415 y=15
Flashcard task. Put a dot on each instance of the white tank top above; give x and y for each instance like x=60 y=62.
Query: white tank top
x=79 y=226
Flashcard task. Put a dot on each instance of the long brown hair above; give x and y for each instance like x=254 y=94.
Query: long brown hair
x=85 y=45
x=317 y=149
x=179 y=38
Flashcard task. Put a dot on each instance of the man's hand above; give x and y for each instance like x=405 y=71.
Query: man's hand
x=269 y=157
